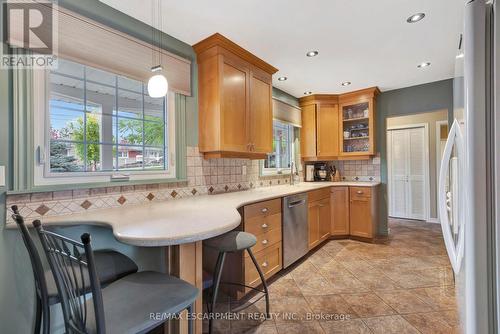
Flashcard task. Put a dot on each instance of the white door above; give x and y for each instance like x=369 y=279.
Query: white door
x=408 y=165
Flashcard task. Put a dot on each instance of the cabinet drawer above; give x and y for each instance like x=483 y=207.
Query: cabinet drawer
x=360 y=192
x=319 y=194
x=266 y=240
x=259 y=225
x=262 y=209
x=269 y=261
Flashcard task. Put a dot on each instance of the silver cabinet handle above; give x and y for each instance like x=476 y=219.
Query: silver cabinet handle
x=264 y=264
x=264 y=210
x=359 y=192
x=264 y=242
x=264 y=225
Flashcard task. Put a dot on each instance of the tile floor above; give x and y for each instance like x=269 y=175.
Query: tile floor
x=401 y=285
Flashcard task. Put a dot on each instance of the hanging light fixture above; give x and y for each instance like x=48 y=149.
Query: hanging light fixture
x=157 y=84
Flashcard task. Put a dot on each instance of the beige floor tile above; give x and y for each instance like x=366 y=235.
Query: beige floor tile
x=430 y=323
x=300 y=328
x=405 y=301
x=367 y=304
x=315 y=286
x=333 y=306
x=390 y=325
x=353 y=326
x=442 y=297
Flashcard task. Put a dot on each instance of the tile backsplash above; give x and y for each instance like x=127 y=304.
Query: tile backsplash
x=203 y=177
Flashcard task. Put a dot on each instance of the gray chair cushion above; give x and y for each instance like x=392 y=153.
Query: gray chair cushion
x=232 y=241
x=130 y=301
x=110 y=266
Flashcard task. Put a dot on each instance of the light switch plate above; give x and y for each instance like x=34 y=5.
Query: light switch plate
x=2 y=176
x=243 y=170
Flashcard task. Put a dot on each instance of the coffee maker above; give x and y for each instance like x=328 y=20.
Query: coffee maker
x=321 y=171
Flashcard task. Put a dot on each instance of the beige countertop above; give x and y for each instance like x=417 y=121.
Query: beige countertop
x=184 y=220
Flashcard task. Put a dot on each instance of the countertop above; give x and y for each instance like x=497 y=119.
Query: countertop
x=184 y=220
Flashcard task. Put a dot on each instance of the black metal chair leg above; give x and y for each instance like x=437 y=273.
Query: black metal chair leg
x=190 y=319
x=262 y=278
x=218 y=273
x=45 y=317
x=38 y=314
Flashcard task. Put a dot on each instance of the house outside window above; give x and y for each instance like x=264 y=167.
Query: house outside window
x=279 y=162
x=97 y=124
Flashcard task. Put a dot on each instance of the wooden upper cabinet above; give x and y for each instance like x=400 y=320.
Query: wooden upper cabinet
x=357 y=123
x=235 y=100
x=234 y=105
x=308 y=132
x=261 y=115
x=338 y=126
x=319 y=133
x=327 y=131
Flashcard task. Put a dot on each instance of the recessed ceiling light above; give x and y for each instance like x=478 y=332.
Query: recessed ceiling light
x=282 y=79
x=312 y=53
x=415 y=18
x=308 y=93
x=346 y=83
x=426 y=64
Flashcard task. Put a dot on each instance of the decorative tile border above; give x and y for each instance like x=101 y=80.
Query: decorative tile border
x=204 y=177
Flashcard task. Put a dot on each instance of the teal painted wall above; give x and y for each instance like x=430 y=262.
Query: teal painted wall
x=406 y=101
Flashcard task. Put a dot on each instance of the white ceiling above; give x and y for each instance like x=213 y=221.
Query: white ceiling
x=367 y=42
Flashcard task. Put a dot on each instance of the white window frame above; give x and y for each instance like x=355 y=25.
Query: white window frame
x=41 y=140
x=282 y=171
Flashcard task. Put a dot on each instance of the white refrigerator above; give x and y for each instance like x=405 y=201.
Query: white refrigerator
x=469 y=179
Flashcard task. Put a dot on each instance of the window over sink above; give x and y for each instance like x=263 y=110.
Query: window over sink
x=279 y=162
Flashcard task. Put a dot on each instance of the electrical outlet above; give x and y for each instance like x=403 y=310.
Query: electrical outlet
x=2 y=176
x=243 y=170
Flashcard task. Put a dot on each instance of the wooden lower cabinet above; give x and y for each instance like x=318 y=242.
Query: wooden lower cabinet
x=263 y=220
x=269 y=260
x=339 y=199
x=319 y=216
x=363 y=212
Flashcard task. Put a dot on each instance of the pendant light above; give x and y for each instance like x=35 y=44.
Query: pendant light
x=157 y=83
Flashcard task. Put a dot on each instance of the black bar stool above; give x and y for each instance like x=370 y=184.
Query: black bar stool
x=111 y=266
x=234 y=241
x=136 y=303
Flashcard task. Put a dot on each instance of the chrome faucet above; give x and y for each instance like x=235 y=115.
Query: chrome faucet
x=292 y=175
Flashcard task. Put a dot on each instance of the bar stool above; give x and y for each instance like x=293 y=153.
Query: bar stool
x=234 y=241
x=110 y=265
x=136 y=303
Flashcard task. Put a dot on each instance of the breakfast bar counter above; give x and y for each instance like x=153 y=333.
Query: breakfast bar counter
x=186 y=220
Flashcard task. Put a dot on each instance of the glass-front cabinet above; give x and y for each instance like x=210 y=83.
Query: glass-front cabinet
x=357 y=123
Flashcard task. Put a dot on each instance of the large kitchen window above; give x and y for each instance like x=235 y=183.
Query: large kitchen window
x=280 y=160
x=101 y=124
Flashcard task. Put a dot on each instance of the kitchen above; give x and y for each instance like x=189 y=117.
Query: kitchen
x=187 y=162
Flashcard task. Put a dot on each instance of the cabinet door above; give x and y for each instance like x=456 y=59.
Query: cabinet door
x=234 y=107
x=340 y=210
x=261 y=114
x=324 y=219
x=360 y=217
x=313 y=220
x=308 y=131
x=327 y=130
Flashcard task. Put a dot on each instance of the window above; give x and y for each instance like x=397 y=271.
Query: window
x=98 y=124
x=280 y=160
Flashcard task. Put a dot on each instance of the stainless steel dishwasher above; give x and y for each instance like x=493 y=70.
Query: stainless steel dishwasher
x=295 y=230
